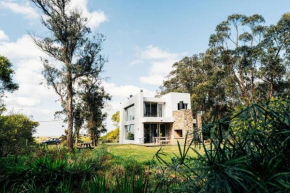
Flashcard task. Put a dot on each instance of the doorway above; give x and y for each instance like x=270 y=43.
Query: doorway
x=152 y=130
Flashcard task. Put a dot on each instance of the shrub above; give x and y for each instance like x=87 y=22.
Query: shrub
x=248 y=152
x=15 y=134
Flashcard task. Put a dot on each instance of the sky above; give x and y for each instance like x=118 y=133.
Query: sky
x=143 y=40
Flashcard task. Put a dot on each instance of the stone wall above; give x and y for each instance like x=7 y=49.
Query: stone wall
x=182 y=121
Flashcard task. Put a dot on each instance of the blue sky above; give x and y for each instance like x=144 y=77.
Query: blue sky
x=143 y=40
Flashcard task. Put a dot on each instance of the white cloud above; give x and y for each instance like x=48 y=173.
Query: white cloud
x=162 y=67
x=125 y=91
x=3 y=36
x=153 y=79
x=161 y=62
x=23 y=48
x=95 y=18
x=22 y=101
x=24 y=9
x=31 y=98
x=152 y=52
x=135 y=62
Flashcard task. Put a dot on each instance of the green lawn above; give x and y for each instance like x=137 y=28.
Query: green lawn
x=143 y=153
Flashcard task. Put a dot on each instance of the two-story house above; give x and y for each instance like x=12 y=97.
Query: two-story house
x=143 y=119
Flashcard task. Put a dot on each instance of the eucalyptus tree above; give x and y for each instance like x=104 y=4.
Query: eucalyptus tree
x=245 y=62
x=93 y=98
x=79 y=120
x=235 y=47
x=75 y=52
x=187 y=76
x=205 y=82
x=274 y=71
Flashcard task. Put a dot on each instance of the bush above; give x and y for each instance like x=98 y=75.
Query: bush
x=44 y=174
x=16 y=134
x=248 y=152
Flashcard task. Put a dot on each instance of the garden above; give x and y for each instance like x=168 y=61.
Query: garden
x=248 y=152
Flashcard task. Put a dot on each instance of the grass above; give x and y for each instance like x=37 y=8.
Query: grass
x=140 y=153
x=143 y=153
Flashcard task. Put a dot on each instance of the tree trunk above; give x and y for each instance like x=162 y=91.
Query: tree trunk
x=271 y=90
x=70 y=115
x=253 y=89
x=92 y=138
x=77 y=138
x=244 y=89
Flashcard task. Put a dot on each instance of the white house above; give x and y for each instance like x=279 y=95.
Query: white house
x=143 y=119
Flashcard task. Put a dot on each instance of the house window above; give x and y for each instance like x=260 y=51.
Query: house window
x=181 y=105
x=152 y=109
x=129 y=113
x=129 y=132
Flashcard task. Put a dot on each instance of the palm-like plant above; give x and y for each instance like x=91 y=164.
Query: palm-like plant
x=248 y=152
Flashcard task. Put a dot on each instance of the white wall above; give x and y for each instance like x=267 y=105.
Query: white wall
x=137 y=101
x=171 y=100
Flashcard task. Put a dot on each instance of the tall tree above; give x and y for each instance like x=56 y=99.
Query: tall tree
x=235 y=49
x=79 y=120
x=245 y=62
x=94 y=97
x=274 y=69
x=71 y=45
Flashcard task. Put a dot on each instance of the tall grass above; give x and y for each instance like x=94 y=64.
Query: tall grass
x=57 y=171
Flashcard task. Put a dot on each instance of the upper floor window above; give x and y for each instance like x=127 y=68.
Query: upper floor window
x=152 y=109
x=181 y=105
x=129 y=112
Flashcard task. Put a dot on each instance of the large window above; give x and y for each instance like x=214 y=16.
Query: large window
x=129 y=113
x=129 y=132
x=152 y=109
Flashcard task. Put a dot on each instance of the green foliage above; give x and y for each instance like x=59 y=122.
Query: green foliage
x=116 y=118
x=132 y=166
x=246 y=62
x=70 y=42
x=248 y=152
x=59 y=171
x=94 y=98
x=6 y=82
x=112 y=136
x=15 y=133
x=78 y=121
